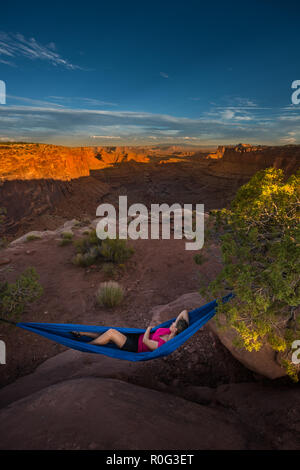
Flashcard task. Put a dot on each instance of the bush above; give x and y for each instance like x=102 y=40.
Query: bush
x=31 y=238
x=116 y=250
x=260 y=243
x=89 y=240
x=110 y=294
x=66 y=239
x=67 y=235
x=199 y=258
x=64 y=242
x=88 y=250
x=14 y=297
x=91 y=249
x=109 y=269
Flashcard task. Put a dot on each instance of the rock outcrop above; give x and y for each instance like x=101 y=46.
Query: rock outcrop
x=262 y=362
x=98 y=413
x=75 y=401
x=245 y=160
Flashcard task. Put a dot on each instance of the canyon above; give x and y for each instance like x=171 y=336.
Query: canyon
x=42 y=185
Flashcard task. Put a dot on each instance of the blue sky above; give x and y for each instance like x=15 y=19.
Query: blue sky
x=115 y=73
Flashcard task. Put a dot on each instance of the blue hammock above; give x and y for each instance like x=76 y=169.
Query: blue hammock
x=61 y=333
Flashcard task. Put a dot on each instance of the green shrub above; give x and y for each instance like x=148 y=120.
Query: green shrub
x=116 y=250
x=88 y=249
x=66 y=239
x=110 y=294
x=64 y=242
x=260 y=243
x=109 y=269
x=31 y=238
x=199 y=258
x=14 y=297
x=67 y=235
x=91 y=249
x=84 y=259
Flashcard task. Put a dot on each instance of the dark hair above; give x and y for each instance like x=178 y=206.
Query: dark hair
x=181 y=325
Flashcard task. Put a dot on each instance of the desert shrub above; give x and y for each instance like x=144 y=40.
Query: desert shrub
x=260 y=245
x=15 y=296
x=31 y=238
x=64 y=242
x=88 y=249
x=91 y=249
x=199 y=258
x=66 y=239
x=116 y=250
x=67 y=235
x=110 y=294
x=109 y=269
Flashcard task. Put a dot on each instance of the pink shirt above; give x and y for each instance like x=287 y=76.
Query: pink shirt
x=156 y=336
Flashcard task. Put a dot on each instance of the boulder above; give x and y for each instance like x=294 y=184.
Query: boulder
x=162 y=313
x=262 y=362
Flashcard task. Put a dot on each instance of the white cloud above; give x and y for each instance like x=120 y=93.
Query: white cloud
x=288 y=140
x=79 y=100
x=228 y=114
x=105 y=137
x=164 y=74
x=59 y=124
x=16 y=45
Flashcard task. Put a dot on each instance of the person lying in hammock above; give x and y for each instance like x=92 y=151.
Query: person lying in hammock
x=136 y=342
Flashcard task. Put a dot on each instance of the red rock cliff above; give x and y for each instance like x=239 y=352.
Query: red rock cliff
x=41 y=161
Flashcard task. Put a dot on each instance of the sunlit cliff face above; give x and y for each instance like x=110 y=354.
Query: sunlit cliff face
x=39 y=161
x=42 y=161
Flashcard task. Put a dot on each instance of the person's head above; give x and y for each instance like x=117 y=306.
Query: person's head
x=178 y=327
x=182 y=324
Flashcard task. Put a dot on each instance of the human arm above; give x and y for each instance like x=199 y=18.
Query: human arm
x=183 y=315
x=149 y=342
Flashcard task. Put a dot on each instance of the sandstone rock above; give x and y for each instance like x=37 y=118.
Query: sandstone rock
x=161 y=313
x=245 y=159
x=202 y=395
x=39 y=234
x=43 y=161
x=4 y=261
x=113 y=414
x=262 y=362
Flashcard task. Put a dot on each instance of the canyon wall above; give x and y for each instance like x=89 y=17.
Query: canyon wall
x=41 y=161
x=245 y=160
